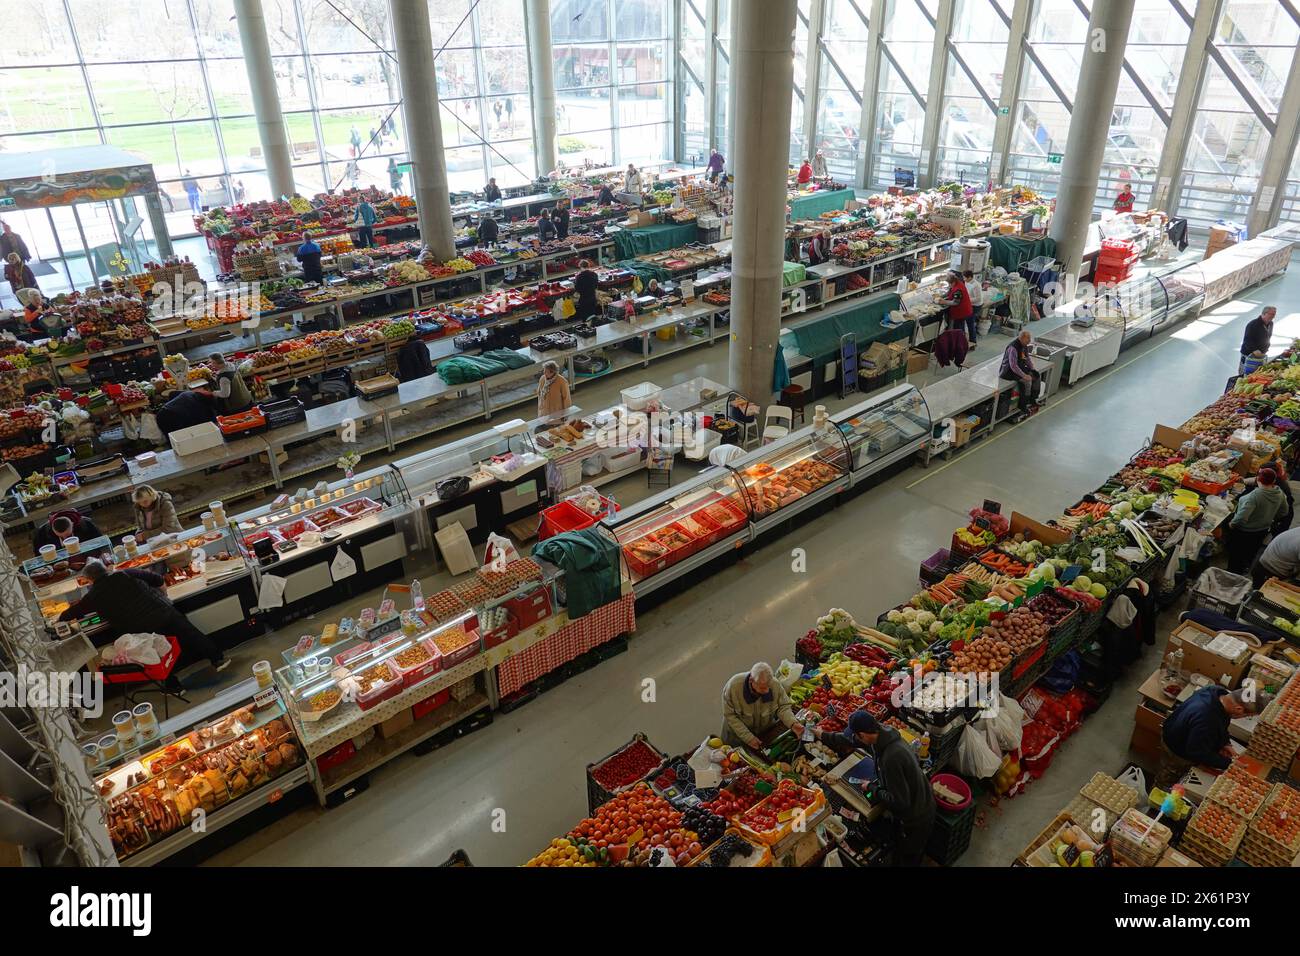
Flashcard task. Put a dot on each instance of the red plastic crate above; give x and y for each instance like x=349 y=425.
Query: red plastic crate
x=340 y=754
x=432 y=703
x=530 y=608
x=566 y=516
x=501 y=634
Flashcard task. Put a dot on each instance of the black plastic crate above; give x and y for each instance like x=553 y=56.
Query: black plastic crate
x=951 y=835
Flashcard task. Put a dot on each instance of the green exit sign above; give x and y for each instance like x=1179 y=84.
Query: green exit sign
x=7 y=202
x=1004 y=110
x=403 y=167
x=1055 y=158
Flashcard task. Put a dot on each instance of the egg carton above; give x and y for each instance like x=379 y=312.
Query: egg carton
x=1083 y=812
x=1110 y=793
x=1256 y=855
x=1265 y=845
x=1204 y=854
x=1266 y=751
x=1211 y=844
x=1227 y=787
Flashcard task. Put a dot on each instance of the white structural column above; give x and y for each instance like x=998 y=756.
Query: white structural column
x=812 y=75
x=271 y=130
x=1103 y=59
x=1012 y=67
x=1169 y=169
x=763 y=76
x=1266 y=203
x=733 y=28
x=541 y=66
x=870 y=94
x=933 y=127
x=414 y=42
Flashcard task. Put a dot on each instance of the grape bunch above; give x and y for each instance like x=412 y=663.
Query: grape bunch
x=708 y=826
x=730 y=847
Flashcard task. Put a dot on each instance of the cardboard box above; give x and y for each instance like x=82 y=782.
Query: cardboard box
x=1294 y=772
x=918 y=360
x=281 y=456
x=1173 y=858
x=961 y=432
x=396 y=724
x=1192 y=637
x=637 y=219
x=196 y=438
x=878 y=355
x=1036 y=530
x=1170 y=437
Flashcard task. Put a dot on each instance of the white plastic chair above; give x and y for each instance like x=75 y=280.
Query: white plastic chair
x=777 y=423
x=725 y=454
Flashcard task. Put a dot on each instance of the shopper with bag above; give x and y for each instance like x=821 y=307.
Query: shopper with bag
x=132 y=602
x=901 y=785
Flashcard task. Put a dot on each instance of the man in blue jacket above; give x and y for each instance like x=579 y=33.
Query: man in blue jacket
x=1197 y=730
x=901 y=785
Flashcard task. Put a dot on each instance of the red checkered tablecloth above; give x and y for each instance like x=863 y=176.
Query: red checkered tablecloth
x=571 y=641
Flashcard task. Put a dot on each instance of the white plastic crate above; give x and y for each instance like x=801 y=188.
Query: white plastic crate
x=638 y=397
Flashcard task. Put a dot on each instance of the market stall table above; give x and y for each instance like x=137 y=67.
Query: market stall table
x=810 y=205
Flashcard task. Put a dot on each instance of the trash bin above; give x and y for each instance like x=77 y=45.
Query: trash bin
x=1220 y=591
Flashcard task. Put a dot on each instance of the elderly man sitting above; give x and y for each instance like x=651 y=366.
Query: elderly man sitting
x=755 y=707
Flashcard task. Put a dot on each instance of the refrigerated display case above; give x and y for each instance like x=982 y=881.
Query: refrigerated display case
x=507 y=479
x=884 y=430
x=793 y=474
x=297 y=539
x=435 y=667
x=678 y=530
x=1184 y=294
x=225 y=757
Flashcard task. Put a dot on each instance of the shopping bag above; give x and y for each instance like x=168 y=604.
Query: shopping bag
x=500 y=552
x=570 y=309
x=974 y=757
x=149 y=429
x=1003 y=723
x=144 y=649
x=787 y=673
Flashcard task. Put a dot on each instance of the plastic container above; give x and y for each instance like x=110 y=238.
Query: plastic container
x=1220 y=591
x=638 y=397
x=956 y=784
x=380 y=692
x=622 y=461
x=413 y=673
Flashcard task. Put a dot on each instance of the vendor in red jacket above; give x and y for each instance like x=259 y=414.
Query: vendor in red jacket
x=805 y=173
x=961 y=314
x=1124 y=201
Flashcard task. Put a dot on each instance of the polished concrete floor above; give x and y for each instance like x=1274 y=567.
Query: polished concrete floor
x=506 y=790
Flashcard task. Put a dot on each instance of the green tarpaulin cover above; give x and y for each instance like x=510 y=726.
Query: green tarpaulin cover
x=792 y=273
x=471 y=368
x=1010 y=252
x=814 y=204
x=590 y=562
x=645 y=271
x=630 y=243
x=820 y=340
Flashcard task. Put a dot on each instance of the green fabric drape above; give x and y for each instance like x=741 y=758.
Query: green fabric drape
x=470 y=368
x=1010 y=251
x=814 y=204
x=820 y=340
x=792 y=273
x=630 y=243
x=590 y=562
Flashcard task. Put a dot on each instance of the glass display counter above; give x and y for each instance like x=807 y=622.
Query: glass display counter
x=297 y=538
x=677 y=530
x=506 y=479
x=793 y=474
x=1184 y=293
x=884 y=429
x=223 y=758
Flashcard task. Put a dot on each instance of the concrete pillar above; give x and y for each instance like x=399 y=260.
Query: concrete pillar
x=266 y=96
x=1103 y=59
x=1169 y=170
x=1266 y=203
x=733 y=26
x=158 y=223
x=541 y=67
x=763 y=78
x=414 y=44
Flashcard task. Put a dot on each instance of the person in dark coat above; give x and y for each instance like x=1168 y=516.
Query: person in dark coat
x=492 y=192
x=585 y=284
x=308 y=255
x=1258 y=337
x=488 y=231
x=546 y=230
x=1197 y=730
x=413 y=361
x=65 y=524
x=901 y=785
x=133 y=602
x=561 y=219
x=606 y=196
x=185 y=410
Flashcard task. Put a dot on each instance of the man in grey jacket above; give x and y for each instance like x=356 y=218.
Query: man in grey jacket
x=753 y=705
x=1281 y=559
x=901 y=785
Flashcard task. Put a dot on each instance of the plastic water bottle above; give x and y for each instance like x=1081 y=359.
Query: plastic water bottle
x=417 y=595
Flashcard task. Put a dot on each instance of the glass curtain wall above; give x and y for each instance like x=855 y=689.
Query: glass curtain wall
x=82 y=75
x=907 y=48
x=613 y=81
x=841 y=77
x=692 y=75
x=977 y=51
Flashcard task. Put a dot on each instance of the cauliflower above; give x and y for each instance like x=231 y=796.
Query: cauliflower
x=909 y=614
x=925 y=618
x=894 y=616
x=914 y=628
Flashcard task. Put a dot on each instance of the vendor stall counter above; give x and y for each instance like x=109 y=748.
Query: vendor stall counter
x=794 y=474
x=884 y=430
x=320 y=545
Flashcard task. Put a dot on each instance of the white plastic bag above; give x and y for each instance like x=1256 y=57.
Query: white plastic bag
x=1003 y=725
x=500 y=552
x=974 y=757
x=788 y=673
x=143 y=649
x=149 y=429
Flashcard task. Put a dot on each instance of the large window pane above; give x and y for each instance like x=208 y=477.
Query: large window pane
x=647 y=103
x=146 y=92
x=365 y=26
x=579 y=20
x=44 y=98
x=39 y=35
x=151 y=30
x=175 y=149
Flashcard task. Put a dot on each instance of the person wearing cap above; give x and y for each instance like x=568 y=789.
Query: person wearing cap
x=902 y=787
x=1197 y=730
x=754 y=708
x=1252 y=521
